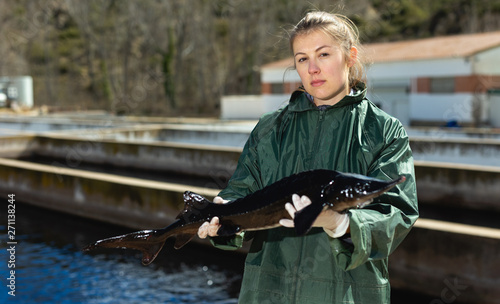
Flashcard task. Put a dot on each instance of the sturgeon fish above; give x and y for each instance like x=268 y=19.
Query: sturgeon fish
x=260 y=210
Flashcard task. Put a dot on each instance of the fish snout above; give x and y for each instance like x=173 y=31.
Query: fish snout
x=357 y=191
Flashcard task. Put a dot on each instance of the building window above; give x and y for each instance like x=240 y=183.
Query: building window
x=443 y=85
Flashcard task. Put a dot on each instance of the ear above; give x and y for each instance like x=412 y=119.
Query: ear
x=353 y=56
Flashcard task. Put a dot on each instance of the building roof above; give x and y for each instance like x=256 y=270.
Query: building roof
x=457 y=46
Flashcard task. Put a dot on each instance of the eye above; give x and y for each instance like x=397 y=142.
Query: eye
x=302 y=59
x=324 y=55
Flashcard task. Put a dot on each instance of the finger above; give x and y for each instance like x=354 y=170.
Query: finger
x=286 y=223
x=291 y=210
x=218 y=200
x=214 y=221
x=300 y=202
x=296 y=201
x=306 y=201
x=214 y=226
x=203 y=230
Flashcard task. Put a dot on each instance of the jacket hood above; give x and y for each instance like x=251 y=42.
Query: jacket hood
x=299 y=101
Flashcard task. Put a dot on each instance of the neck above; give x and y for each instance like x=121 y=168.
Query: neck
x=338 y=96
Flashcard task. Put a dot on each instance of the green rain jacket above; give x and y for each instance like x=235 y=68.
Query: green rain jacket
x=350 y=136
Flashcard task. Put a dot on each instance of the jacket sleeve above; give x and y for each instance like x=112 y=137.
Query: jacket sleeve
x=377 y=230
x=245 y=180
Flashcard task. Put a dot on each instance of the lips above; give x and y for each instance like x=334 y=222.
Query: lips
x=317 y=83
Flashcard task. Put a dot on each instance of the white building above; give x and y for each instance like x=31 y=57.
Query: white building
x=18 y=89
x=422 y=82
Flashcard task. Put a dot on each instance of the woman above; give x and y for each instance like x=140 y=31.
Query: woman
x=327 y=124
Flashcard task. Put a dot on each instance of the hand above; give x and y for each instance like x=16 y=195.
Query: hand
x=334 y=223
x=211 y=228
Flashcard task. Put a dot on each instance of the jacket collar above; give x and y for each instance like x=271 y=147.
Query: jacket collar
x=299 y=101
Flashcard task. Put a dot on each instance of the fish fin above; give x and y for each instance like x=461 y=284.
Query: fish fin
x=228 y=230
x=182 y=239
x=146 y=241
x=304 y=219
x=150 y=253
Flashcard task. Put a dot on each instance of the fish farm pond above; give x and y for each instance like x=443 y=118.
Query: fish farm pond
x=51 y=268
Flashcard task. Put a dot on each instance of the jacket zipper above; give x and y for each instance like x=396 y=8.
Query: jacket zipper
x=317 y=137
x=313 y=152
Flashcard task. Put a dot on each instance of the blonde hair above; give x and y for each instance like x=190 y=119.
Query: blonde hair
x=341 y=29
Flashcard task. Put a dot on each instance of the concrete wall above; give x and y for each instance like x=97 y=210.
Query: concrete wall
x=114 y=199
x=451 y=262
x=41 y=124
x=242 y=107
x=232 y=133
x=472 y=151
x=433 y=133
x=17 y=146
x=420 y=68
x=494 y=109
x=472 y=186
x=191 y=159
x=440 y=108
x=466 y=186
x=280 y=74
x=487 y=62
x=391 y=95
x=156 y=148
x=250 y=106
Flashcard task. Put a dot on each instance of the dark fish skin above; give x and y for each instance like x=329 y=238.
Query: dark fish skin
x=260 y=210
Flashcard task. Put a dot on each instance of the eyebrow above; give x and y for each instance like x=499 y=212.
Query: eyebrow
x=316 y=50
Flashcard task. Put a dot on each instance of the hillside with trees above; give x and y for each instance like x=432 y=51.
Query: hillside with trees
x=177 y=57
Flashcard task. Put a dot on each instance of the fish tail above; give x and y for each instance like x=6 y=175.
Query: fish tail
x=149 y=242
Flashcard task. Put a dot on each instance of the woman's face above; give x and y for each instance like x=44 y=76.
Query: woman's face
x=322 y=67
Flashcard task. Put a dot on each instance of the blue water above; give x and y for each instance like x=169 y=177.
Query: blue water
x=50 y=268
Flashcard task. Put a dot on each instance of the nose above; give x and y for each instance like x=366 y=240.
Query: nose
x=313 y=67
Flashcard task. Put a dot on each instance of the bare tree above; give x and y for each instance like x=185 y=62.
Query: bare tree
x=12 y=49
x=177 y=57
